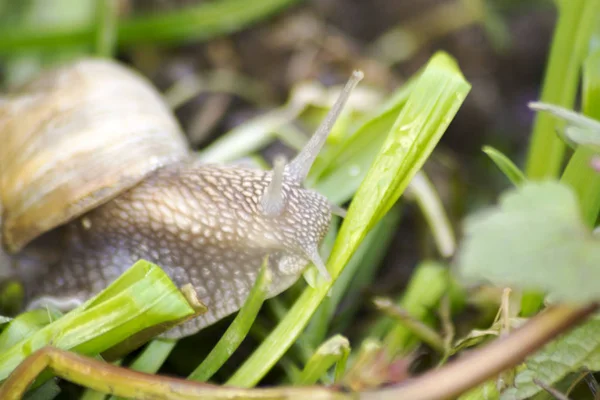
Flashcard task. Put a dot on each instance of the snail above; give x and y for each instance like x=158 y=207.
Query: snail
x=95 y=174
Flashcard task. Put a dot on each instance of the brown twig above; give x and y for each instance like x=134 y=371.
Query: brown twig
x=119 y=381
x=444 y=383
x=477 y=367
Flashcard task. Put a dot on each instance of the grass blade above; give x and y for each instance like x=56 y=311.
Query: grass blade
x=106 y=30
x=334 y=350
x=578 y=173
x=357 y=275
x=437 y=95
x=142 y=297
x=237 y=331
x=149 y=361
x=428 y=200
x=339 y=176
x=429 y=283
x=505 y=164
x=574 y=29
x=199 y=22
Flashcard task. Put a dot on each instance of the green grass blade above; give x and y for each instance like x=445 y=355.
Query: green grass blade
x=47 y=391
x=437 y=95
x=403 y=318
x=24 y=325
x=575 y=27
x=199 y=22
x=150 y=360
x=339 y=176
x=578 y=173
x=147 y=297
x=237 y=331
x=106 y=29
x=357 y=275
x=363 y=278
x=153 y=356
x=584 y=180
x=248 y=137
x=329 y=353
x=429 y=283
x=569 y=47
x=428 y=200
x=505 y=164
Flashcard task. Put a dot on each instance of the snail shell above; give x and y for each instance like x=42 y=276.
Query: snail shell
x=75 y=138
x=95 y=174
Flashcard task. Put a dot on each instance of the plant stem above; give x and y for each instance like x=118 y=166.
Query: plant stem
x=479 y=366
x=108 y=378
x=418 y=328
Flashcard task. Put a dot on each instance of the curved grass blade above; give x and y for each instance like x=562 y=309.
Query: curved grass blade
x=432 y=104
x=510 y=170
x=333 y=351
x=25 y=325
x=575 y=26
x=428 y=200
x=139 y=299
x=149 y=361
x=238 y=329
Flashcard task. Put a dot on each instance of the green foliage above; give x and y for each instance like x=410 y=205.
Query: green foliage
x=140 y=298
x=340 y=173
x=430 y=107
x=534 y=239
x=510 y=170
x=575 y=27
x=25 y=325
x=203 y=21
x=429 y=283
x=333 y=351
x=574 y=351
x=238 y=329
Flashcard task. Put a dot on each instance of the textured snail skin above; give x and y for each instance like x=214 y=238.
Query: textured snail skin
x=95 y=202
x=203 y=225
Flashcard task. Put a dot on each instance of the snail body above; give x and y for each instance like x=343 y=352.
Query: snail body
x=88 y=189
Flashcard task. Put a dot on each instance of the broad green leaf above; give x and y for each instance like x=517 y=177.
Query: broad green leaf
x=146 y=297
x=508 y=168
x=435 y=99
x=576 y=350
x=534 y=239
x=581 y=347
